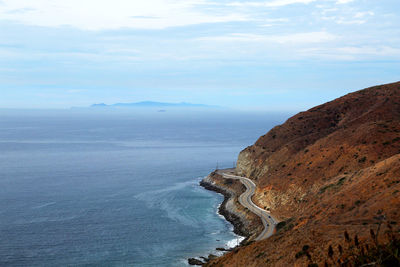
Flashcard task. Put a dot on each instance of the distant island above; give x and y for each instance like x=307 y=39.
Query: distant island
x=152 y=104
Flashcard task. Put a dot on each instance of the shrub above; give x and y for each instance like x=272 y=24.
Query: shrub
x=284 y=226
x=332 y=186
x=300 y=254
x=366 y=252
x=341 y=181
x=228 y=181
x=261 y=254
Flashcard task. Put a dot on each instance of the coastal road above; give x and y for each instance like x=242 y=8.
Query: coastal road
x=245 y=200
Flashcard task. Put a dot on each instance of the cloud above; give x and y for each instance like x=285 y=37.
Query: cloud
x=357 y=18
x=274 y=3
x=106 y=14
x=348 y=22
x=344 y=1
x=363 y=14
x=353 y=52
x=74 y=91
x=20 y=10
x=296 y=38
x=137 y=14
x=385 y=51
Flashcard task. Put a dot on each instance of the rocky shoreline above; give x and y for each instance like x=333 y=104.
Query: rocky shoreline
x=238 y=225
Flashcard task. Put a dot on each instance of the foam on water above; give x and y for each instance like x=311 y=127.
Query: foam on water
x=234 y=242
x=166 y=199
x=44 y=205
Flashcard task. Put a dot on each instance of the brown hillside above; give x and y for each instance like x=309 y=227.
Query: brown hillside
x=332 y=168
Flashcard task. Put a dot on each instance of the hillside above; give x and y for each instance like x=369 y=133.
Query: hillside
x=331 y=169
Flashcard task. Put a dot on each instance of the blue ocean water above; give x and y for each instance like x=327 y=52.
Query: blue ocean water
x=112 y=188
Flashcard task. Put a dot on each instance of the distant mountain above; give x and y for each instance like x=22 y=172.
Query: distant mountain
x=98 y=105
x=152 y=104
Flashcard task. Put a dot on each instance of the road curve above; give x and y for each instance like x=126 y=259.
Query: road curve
x=245 y=200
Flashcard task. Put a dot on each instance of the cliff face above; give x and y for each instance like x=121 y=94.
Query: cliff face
x=331 y=169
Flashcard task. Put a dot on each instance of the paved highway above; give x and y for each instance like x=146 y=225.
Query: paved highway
x=245 y=200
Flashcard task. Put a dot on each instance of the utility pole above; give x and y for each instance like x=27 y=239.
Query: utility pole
x=216 y=167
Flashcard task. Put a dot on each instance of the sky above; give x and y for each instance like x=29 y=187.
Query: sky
x=269 y=55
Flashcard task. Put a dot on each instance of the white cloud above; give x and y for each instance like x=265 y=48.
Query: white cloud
x=296 y=38
x=107 y=14
x=357 y=18
x=352 y=52
x=288 y=2
x=273 y=22
x=74 y=91
x=149 y=14
x=343 y=1
x=308 y=37
x=352 y=21
x=370 y=51
x=363 y=14
x=274 y=3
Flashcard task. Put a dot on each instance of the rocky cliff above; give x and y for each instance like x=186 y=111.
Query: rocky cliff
x=332 y=169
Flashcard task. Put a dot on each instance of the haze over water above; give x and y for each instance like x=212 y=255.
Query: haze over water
x=116 y=188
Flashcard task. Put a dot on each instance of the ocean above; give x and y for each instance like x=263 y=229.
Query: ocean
x=116 y=188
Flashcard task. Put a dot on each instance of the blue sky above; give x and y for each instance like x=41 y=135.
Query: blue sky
x=272 y=55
